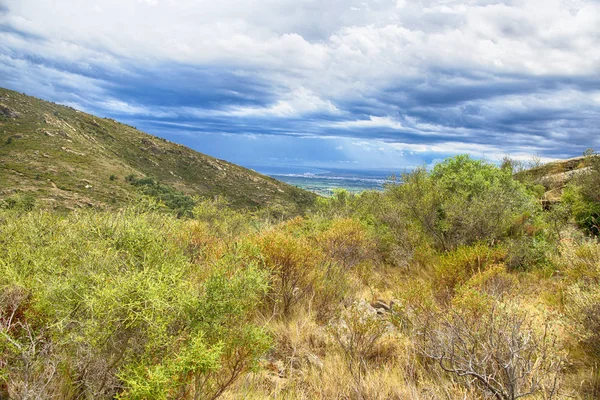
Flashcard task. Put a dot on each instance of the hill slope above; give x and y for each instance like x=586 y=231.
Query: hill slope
x=554 y=176
x=68 y=158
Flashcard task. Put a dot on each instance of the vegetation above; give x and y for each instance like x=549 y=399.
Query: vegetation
x=460 y=283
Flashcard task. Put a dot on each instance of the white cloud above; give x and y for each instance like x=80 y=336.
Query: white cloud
x=319 y=56
x=372 y=122
x=297 y=103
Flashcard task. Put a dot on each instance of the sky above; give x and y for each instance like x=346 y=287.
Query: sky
x=361 y=84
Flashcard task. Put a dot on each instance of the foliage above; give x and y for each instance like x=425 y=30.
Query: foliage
x=347 y=242
x=456 y=267
x=295 y=266
x=585 y=211
x=582 y=195
x=466 y=272
x=106 y=304
x=463 y=201
x=173 y=199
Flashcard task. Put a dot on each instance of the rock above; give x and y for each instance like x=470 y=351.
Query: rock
x=380 y=305
x=72 y=151
x=8 y=112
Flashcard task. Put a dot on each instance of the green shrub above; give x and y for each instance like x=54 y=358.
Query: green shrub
x=585 y=210
x=174 y=200
x=114 y=307
x=582 y=194
x=528 y=252
x=457 y=267
x=463 y=201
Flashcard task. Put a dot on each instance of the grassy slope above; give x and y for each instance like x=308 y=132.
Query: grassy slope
x=66 y=157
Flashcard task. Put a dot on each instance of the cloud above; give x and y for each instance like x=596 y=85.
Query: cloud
x=298 y=103
x=372 y=122
x=435 y=76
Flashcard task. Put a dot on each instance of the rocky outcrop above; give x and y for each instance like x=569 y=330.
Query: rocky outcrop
x=6 y=111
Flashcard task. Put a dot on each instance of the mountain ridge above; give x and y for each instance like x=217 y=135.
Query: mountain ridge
x=67 y=158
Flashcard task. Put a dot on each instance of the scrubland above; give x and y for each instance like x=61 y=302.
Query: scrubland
x=456 y=284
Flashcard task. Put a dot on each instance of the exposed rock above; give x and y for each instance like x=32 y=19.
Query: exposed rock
x=380 y=305
x=560 y=179
x=6 y=111
x=66 y=149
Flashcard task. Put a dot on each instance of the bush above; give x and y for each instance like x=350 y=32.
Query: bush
x=585 y=210
x=494 y=282
x=463 y=201
x=456 y=267
x=528 y=252
x=174 y=200
x=347 y=242
x=295 y=267
x=500 y=351
x=103 y=305
x=582 y=195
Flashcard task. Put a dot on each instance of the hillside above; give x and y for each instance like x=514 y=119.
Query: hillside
x=554 y=176
x=67 y=159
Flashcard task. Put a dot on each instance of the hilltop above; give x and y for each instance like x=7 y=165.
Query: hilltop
x=66 y=158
